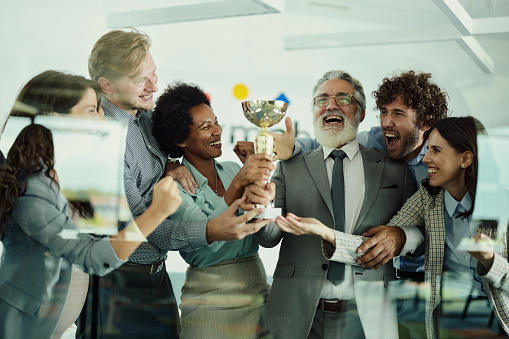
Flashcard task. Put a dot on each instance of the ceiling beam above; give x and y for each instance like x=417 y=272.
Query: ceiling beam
x=456 y=14
x=368 y=38
x=395 y=36
x=475 y=51
x=194 y=12
x=491 y=25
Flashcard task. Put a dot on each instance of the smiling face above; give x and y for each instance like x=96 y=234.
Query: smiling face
x=446 y=166
x=336 y=125
x=87 y=106
x=134 y=92
x=204 y=140
x=403 y=135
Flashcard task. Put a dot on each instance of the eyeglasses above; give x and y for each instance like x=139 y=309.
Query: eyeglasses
x=342 y=99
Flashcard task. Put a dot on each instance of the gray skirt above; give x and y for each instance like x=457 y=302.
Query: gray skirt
x=225 y=300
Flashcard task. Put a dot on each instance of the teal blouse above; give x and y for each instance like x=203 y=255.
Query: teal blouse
x=205 y=204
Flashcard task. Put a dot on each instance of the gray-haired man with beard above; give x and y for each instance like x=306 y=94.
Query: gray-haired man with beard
x=347 y=187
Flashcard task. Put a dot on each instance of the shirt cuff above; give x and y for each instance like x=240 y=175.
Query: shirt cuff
x=345 y=250
x=197 y=235
x=414 y=240
x=497 y=272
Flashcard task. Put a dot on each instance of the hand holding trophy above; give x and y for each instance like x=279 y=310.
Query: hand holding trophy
x=264 y=114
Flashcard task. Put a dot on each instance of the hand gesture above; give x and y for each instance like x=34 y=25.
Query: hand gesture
x=299 y=226
x=284 y=143
x=258 y=193
x=228 y=226
x=166 y=197
x=487 y=255
x=182 y=175
x=258 y=167
x=386 y=242
x=244 y=149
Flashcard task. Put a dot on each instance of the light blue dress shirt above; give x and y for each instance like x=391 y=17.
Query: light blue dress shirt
x=460 y=264
x=205 y=204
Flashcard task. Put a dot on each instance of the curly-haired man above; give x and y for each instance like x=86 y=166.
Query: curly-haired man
x=409 y=105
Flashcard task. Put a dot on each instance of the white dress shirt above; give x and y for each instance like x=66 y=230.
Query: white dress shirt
x=353 y=173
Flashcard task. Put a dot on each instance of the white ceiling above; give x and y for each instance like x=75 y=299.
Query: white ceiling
x=464 y=44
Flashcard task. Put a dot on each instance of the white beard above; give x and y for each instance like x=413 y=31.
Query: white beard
x=335 y=137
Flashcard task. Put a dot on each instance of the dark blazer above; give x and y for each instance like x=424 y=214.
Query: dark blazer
x=302 y=187
x=36 y=263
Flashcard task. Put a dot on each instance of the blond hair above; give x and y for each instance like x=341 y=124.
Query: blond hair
x=118 y=53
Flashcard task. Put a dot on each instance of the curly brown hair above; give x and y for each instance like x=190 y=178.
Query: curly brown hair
x=31 y=152
x=172 y=118
x=426 y=98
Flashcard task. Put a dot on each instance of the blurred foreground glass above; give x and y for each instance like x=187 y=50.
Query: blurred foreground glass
x=89 y=161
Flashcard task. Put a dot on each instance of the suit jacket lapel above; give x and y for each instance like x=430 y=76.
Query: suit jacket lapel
x=373 y=169
x=316 y=166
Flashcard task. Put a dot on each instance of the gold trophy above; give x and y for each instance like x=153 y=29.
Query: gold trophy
x=264 y=114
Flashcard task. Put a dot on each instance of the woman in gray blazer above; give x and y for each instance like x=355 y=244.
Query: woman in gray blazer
x=40 y=270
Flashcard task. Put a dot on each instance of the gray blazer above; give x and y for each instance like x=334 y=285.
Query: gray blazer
x=302 y=187
x=36 y=263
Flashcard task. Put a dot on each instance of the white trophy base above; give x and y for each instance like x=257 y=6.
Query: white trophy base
x=269 y=213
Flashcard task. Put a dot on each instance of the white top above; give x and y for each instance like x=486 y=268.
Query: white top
x=353 y=173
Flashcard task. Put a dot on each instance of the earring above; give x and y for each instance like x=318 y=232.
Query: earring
x=181 y=145
x=462 y=165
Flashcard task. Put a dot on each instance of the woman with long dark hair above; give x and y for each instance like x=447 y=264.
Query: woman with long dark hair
x=42 y=288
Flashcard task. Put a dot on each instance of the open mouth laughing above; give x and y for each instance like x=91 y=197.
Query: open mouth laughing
x=333 y=119
x=432 y=171
x=392 y=141
x=216 y=144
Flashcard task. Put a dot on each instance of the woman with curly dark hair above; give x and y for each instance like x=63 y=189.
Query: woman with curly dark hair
x=42 y=288
x=226 y=284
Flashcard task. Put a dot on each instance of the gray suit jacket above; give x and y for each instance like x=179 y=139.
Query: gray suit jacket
x=302 y=187
x=36 y=263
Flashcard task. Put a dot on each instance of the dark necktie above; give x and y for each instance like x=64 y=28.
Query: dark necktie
x=336 y=273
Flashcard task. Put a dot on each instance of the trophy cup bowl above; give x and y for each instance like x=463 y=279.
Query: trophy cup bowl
x=264 y=114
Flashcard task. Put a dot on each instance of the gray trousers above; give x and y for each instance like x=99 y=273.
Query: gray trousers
x=344 y=325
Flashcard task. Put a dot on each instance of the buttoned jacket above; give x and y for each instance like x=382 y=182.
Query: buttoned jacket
x=302 y=188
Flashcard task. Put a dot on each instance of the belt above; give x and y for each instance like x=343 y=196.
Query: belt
x=142 y=268
x=418 y=276
x=332 y=305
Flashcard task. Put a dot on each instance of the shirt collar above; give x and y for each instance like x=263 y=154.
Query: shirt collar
x=418 y=159
x=350 y=149
x=451 y=204
x=112 y=111
x=200 y=178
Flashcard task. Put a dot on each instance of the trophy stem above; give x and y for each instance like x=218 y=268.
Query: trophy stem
x=264 y=142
